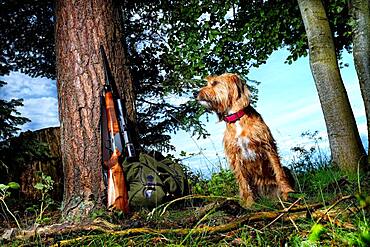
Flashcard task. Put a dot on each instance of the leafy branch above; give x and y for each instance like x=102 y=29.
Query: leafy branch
x=4 y=193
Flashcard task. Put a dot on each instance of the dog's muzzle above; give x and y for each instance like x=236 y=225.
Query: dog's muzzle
x=201 y=100
x=205 y=103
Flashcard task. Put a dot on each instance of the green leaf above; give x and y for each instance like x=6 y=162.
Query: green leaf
x=31 y=209
x=14 y=185
x=39 y=186
x=363 y=200
x=3 y=187
x=365 y=237
x=316 y=231
x=45 y=220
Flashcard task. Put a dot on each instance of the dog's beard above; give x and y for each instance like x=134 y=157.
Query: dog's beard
x=210 y=108
x=215 y=100
x=209 y=105
x=206 y=104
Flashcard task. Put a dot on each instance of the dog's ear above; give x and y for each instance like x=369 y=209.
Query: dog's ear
x=242 y=88
x=246 y=91
x=240 y=85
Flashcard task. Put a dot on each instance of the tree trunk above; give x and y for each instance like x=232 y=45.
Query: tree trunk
x=52 y=166
x=360 y=10
x=81 y=27
x=345 y=144
x=36 y=151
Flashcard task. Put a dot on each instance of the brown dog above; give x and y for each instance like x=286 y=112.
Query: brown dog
x=249 y=146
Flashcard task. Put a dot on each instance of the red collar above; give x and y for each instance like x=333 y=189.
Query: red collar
x=232 y=118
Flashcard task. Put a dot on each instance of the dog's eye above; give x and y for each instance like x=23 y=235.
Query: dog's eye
x=214 y=83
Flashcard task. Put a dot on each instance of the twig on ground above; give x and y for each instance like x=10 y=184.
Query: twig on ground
x=286 y=210
x=343 y=198
x=290 y=218
x=188 y=197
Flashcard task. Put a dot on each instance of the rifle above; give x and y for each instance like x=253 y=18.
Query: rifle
x=118 y=149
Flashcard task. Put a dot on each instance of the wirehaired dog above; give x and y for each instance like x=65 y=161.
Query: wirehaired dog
x=249 y=146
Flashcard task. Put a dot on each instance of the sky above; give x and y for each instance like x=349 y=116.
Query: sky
x=39 y=99
x=288 y=102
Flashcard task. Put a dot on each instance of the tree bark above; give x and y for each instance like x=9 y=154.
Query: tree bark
x=345 y=144
x=36 y=151
x=52 y=166
x=360 y=10
x=81 y=27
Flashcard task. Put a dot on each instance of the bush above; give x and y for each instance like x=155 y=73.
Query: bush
x=221 y=183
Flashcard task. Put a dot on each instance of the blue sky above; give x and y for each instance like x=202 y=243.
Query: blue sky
x=288 y=102
x=39 y=99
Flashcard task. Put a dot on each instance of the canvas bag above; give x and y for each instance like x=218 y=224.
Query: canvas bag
x=151 y=182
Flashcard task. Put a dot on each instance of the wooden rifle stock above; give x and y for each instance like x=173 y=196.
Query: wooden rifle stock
x=117 y=189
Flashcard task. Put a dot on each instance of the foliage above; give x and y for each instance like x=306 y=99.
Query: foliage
x=4 y=193
x=157 y=45
x=10 y=118
x=314 y=173
x=316 y=232
x=44 y=186
x=310 y=158
x=27 y=37
x=178 y=40
x=222 y=183
x=24 y=48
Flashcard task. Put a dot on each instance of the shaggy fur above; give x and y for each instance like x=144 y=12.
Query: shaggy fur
x=249 y=146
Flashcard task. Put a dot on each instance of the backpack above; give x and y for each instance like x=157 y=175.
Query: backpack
x=151 y=182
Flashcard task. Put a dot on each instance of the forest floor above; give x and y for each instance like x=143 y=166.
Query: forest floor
x=334 y=212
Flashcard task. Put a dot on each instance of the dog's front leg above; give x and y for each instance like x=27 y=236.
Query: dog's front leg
x=245 y=191
x=281 y=178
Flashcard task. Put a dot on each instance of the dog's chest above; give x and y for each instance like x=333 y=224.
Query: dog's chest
x=243 y=142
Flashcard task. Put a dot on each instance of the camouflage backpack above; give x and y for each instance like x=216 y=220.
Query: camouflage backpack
x=151 y=182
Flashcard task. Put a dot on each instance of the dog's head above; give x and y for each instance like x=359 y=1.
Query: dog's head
x=224 y=94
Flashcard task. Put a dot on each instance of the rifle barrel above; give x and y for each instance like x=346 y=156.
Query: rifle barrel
x=107 y=75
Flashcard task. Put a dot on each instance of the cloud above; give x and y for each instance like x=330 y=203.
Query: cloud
x=176 y=100
x=362 y=128
x=42 y=111
x=22 y=86
x=297 y=115
x=40 y=103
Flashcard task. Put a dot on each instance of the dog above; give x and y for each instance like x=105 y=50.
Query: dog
x=249 y=146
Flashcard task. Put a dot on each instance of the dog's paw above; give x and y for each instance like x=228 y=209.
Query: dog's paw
x=285 y=194
x=247 y=202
